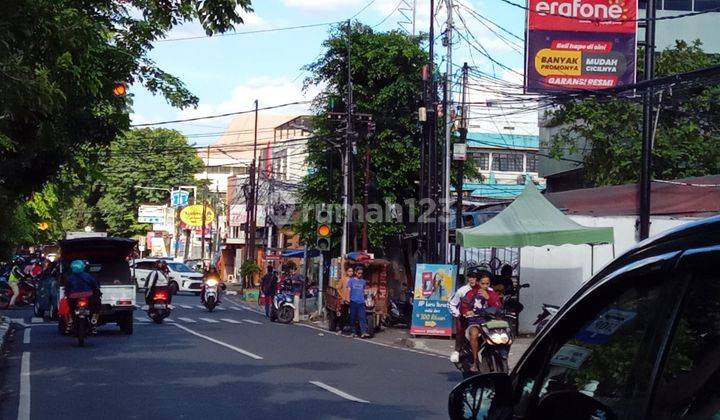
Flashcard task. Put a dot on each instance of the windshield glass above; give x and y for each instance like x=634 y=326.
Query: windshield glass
x=106 y=271
x=180 y=267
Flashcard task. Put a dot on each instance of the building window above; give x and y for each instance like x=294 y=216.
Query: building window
x=703 y=5
x=531 y=162
x=482 y=160
x=507 y=162
x=678 y=4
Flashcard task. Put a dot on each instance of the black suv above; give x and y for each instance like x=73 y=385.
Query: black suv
x=640 y=340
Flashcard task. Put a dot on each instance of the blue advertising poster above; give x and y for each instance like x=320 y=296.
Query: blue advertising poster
x=434 y=285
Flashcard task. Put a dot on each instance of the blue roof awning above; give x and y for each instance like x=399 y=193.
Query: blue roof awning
x=299 y=253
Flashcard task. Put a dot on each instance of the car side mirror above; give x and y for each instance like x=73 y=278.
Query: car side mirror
x=485 y=396
x=571 y=404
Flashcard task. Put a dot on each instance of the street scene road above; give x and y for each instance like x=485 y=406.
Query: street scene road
x=228 y=364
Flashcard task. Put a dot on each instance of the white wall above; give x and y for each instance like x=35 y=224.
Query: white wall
x=555 y=273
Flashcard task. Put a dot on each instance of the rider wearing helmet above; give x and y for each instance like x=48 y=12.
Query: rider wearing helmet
x=82 y=284
x=159 y=277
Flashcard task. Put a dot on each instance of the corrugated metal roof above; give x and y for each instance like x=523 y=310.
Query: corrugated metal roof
x=503 y=141
x=700 y=199
x=495 y=190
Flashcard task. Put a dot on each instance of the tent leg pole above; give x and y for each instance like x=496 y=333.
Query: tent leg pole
x=517 y=319
x=613 y=249
x=592 y=259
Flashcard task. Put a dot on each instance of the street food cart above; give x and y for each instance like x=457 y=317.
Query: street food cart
x=378 y=272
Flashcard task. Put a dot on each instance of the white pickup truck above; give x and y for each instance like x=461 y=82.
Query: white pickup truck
x=106 y=260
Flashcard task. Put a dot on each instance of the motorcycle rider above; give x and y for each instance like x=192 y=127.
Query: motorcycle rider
x=460 y=304
x=14 y=281
x=159 y=277
x=210 y=274
x=484 y=298
x=80 y=282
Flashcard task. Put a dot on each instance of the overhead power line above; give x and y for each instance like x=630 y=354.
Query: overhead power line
x=221 y=115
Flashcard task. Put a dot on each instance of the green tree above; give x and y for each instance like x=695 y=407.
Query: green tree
x=59 y=60
x=386 y=71
x=147 y=157
x=687 y=140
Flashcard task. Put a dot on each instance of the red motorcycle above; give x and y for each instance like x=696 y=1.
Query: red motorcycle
x=28 y=291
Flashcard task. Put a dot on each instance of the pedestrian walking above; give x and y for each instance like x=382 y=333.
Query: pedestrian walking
x=357 y=285
x=268 y=287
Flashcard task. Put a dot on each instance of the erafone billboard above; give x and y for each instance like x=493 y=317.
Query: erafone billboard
x=580 y=44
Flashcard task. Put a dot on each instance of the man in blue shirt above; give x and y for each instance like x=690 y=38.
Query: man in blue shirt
x=357 y=285
x=81 y=283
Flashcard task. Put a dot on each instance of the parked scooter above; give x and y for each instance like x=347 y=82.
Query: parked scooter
x=283 y=308
x=495 y=340
x=400 y=311
x=160 y=307
x=210 y=295
x=548 y=312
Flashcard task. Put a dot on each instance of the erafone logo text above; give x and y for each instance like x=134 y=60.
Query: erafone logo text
x=578 y=9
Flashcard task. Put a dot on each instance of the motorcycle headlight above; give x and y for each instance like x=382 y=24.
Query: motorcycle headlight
x=499 y=338
x=211 y=282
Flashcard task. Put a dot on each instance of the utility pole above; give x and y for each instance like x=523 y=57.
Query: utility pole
x=204 y=215
x=445 y=243
x=348 y=146
x=365 y=200
x=647 y=132
x=252 y=225
x=461 y=164
x=431 y=137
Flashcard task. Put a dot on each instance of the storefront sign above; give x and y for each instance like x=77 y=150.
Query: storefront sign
x=151 y=214
x=434 y=285
x=193 y=215
x=580 y=45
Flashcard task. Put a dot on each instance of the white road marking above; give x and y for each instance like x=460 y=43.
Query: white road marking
x=138 y=319
x=210 y=320
x=169 y=320
x=19 y=321
x=252 y=322
x=339 y=393
x=221 y=343
x=24 y=403
x=200 y=306
x=220 y=309
x=236 y=308
x=36 y=320
x=192 y=321
x=232 y=321
x=26 y=336
x=185 y=306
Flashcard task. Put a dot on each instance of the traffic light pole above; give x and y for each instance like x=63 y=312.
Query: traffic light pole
x=647 y=129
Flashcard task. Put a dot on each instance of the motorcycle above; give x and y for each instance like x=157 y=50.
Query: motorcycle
x=400 y=312
x=548 y=312
x=159 y=308
x=495 y=340
x=81 y=318
x=28 y=291
x=211 y=294
x=283 y=308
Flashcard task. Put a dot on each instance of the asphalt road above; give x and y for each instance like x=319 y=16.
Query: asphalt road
x=229 y=364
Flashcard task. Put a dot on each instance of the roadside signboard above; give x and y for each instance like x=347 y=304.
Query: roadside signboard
x=179 y=198
x=193 y=215
x=434 y=285
x=151 y=214
x=580 y=45
x=459 y=151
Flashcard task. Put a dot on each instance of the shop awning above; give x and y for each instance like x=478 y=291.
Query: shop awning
x=531 y=220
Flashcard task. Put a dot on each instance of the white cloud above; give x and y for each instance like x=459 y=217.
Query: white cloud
x=251 y=21
x=314 y=5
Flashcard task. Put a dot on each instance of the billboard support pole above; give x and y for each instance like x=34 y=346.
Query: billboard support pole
x=647 y=128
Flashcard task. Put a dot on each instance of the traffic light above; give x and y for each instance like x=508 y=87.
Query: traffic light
x=323 y=237
x=120 y=89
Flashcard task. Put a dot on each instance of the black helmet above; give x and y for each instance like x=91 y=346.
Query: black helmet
x=478 y=273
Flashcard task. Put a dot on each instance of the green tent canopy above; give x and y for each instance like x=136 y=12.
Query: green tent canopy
x=531 y=220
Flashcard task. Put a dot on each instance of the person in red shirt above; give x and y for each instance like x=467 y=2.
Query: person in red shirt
x=460 y=304
x=485 y=298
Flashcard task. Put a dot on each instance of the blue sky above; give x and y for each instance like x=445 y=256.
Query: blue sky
x=228 y=73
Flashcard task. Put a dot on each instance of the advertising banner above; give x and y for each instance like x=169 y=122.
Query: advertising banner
x=434 y=285
x=580 y=45
x=193 y=215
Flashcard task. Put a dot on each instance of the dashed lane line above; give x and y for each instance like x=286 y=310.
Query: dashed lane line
x=26 y=336
x=221 y=343
x=188 y=320
x=250 y=321
x=232 y=321
x=338 y=392
x=24 y=401
x=210 y=320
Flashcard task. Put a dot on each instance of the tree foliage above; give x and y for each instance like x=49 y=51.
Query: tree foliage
x=386 y=71
x=156 y=158
x=687 y=140
x=59 y=60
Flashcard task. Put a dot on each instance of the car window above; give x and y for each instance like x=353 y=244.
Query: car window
x=180 y=267
x=145 y=265
x=605 y=346
x=689 y=386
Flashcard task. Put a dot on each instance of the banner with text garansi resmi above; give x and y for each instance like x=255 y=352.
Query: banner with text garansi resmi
x=580 y=45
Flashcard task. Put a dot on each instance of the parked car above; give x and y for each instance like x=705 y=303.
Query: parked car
x=182 y=278
x=641 y=339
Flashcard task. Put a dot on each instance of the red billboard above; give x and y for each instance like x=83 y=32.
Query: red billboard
x=580 y=44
